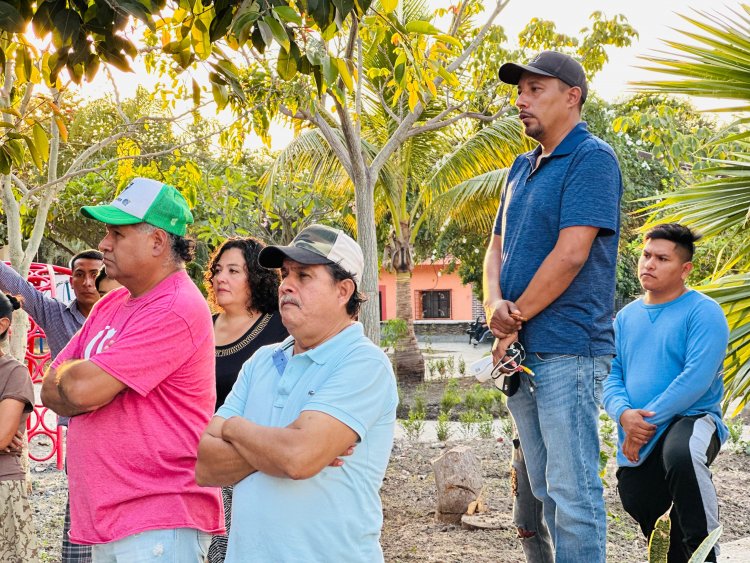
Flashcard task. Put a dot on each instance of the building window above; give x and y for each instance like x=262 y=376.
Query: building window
x=436 y=304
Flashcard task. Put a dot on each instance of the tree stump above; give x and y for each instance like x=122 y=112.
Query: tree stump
x=458 y=477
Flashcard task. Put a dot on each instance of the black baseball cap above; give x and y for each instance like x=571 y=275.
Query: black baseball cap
x=548 y=63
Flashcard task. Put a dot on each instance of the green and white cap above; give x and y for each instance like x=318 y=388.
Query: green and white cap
x=145 y=201
x=318 y=244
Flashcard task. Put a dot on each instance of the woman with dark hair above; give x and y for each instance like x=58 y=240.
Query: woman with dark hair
x=17 y=537
x=246 y=298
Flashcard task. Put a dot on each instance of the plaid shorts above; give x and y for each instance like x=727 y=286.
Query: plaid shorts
x=73 y=552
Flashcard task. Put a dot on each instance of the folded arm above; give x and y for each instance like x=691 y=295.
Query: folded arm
x=219 y=463
x=77 y=387
x=11 y=411
x=299 y=451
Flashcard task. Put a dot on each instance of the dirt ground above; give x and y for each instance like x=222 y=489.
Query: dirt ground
x=410 y=531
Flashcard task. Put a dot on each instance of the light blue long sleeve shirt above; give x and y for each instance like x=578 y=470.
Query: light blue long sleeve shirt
x=669 y=361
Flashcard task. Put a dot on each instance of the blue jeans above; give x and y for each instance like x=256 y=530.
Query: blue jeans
x=174 y=545
x=557 y=415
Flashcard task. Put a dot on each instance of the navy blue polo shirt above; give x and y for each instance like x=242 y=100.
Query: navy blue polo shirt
x=579 y=184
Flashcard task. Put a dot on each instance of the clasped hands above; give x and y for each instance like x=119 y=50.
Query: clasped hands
x=637 y=432
x=505 y=321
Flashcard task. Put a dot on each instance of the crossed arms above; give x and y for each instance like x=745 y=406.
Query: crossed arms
x=231 y=449
x=77 y=387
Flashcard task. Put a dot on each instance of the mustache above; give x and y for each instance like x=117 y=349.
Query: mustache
x=288 y=299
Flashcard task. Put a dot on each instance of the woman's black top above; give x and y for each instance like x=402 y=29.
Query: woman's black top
x=229 y=359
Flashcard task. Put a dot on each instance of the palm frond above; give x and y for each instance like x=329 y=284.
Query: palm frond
x=733 y=294
x=715 y=64
x=472 y=204
x=491 y=148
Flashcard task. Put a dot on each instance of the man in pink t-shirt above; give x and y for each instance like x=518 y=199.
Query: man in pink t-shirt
x=138 y=380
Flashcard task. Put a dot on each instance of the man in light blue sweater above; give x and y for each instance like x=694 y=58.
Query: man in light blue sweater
x=664 y=392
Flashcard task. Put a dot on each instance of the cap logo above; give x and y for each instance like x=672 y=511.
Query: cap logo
x=535 y=59
x=123 y=201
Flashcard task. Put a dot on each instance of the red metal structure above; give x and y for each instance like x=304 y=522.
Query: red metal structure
x=43 y=422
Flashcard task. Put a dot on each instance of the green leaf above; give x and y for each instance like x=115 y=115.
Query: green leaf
x=4 y=161
x=220 y=24
x=288 y=14
x=41 y=140
x=423 y=27
x=10 y=19
x=220 y=94
x=34 y=153
x=344 y=7
x=279 y=32
x=449 y=39
x=15 y=151
x=344 y=72
x=286 y=65
x=196 y=93
x=321 y=12
x=67 y=26
x=330 y=71
x=266 y=32
x=389 y=5
x=138 y=10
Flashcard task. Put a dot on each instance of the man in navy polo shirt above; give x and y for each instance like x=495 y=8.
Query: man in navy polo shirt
x=553 y=251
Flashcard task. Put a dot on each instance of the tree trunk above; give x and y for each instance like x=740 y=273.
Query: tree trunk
x=458 y=478
x=407 y=357
x=364 y=199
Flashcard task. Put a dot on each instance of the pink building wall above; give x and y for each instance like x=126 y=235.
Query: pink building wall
x=425 y=277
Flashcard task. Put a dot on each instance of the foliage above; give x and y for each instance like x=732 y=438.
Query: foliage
x=736 y=443
x=658 y=544
x=608 y=441
x=468 y=420
x=451 y=397
x=485 y=425
x=391 y=332
x=442 y=428
x=480 y=398
x=714 y=62
x=414 y=425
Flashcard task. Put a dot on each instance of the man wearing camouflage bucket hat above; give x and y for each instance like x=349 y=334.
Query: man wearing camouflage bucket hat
x=138 y=382
x=296 y=406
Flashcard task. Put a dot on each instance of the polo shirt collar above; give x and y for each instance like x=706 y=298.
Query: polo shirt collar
x=331 y=348
x=572 y=140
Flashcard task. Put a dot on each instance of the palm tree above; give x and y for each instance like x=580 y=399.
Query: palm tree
x=716 y=64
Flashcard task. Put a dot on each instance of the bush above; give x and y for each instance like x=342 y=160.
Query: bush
x=443 y=427
x=468 y=420
x=485 y=425
x=480 y=398
x=414 y=425
x=450 y=397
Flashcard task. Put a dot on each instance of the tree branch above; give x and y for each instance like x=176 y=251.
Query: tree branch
x=433 y=125
x=401 y=133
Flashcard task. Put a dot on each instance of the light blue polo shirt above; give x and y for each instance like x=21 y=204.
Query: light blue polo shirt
x=335 y=515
